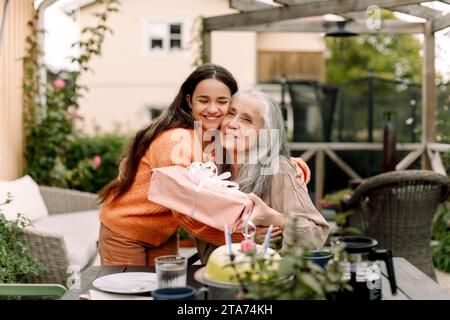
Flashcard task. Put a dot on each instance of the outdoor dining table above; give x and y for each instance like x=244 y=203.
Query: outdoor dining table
x=412 y=284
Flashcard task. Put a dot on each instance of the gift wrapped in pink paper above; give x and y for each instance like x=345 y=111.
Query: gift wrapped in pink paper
x=197 y=191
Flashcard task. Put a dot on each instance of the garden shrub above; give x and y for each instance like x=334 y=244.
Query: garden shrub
x=92 y=162
x=441 y=234
x=51 y=113
x=15 y=263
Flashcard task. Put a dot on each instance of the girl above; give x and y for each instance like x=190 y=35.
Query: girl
x=134 y=230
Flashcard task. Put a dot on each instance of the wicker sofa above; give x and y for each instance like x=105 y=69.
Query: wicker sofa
x=66 y=241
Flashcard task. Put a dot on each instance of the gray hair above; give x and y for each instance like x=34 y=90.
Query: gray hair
x=257 y=177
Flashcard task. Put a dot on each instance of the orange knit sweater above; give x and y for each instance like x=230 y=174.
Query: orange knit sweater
x=135 y=217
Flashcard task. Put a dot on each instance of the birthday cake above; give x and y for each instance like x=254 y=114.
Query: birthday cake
x=219 y=268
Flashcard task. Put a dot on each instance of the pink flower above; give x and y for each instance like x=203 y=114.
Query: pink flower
x=326 y=203
x=96 y=162
x=59 y=83
x=248 y=245
x=72 y=114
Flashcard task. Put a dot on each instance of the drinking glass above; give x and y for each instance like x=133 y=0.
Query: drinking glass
x=171 y=271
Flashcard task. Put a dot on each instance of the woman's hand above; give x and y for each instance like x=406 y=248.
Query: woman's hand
x=261 y=232
x=303 y=172
x=263 y=215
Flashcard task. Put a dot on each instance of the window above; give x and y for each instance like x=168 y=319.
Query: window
x=156 y=44
x=154 y=112
x=165 y=37
x=175 y=36
x=157 y=34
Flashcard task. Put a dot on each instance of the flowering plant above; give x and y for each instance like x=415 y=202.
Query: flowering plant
x=334 y=201
x=50 y=109
x=294 y=277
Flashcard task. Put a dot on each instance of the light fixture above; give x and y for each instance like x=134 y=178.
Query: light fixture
x=338 y=35
x=341 y=31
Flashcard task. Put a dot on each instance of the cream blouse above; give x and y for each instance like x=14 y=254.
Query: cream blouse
x=289 y=195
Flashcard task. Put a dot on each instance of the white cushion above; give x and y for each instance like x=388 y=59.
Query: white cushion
x=27 y=199
x=80 y=231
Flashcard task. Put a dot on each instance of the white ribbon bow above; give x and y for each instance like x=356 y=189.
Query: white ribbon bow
x=205 y=175
x=249 y=235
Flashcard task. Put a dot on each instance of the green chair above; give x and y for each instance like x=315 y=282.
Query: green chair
x=32 y=290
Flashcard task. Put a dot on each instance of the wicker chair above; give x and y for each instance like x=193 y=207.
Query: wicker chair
x=397 y=209
x=49 y=248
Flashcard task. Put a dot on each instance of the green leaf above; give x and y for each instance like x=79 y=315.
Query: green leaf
x=311 y=282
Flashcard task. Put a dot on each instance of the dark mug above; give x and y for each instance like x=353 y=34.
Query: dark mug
x=178 y=293
x=320 y=257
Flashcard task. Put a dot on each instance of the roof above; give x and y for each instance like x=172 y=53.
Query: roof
x=76 y=4
x=289 y=15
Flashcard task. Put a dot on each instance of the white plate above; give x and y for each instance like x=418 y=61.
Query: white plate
x=127 y=282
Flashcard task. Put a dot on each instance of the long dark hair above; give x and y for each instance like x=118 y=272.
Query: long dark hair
x=178 y=115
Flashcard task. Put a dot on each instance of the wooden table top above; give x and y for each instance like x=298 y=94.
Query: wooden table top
x=412 y=283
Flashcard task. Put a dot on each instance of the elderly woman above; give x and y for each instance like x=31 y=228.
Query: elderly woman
x=257 y=156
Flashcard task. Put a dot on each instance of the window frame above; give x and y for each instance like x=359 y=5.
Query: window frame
x=166 y=50
x=152 y=106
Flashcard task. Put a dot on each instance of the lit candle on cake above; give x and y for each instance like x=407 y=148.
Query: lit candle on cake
x=228 y=239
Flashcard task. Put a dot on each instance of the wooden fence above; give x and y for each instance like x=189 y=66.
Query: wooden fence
x=432 y=152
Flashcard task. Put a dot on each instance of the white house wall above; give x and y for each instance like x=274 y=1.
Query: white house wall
x=127 y=80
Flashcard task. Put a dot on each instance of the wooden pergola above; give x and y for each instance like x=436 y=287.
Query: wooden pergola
x=295 y=16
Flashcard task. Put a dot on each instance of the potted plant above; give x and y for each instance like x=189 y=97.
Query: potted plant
x=186 y=240
x=295 y=276
x=333 y=203
x=15 y=263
